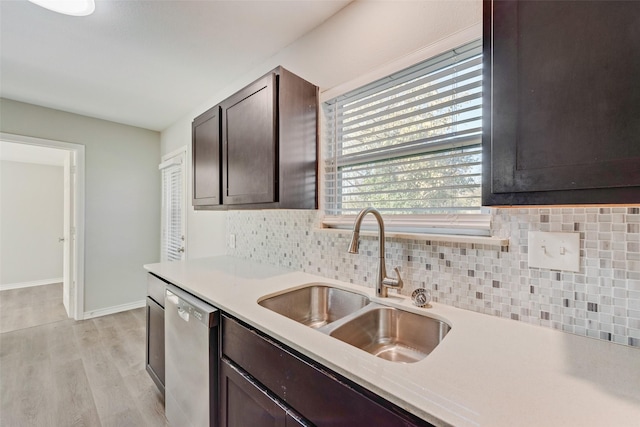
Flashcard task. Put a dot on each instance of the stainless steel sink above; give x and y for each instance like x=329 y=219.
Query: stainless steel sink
x=316 y=305
x=385 y=332
x=392 y=334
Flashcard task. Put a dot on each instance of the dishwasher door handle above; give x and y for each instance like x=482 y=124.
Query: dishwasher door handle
x=184 y=314
x=190 y=308
x=181 y=306
x=173 y=299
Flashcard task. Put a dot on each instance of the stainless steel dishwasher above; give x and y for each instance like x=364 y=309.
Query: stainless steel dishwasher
x=191 y=360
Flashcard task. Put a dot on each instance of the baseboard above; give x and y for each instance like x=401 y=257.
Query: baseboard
x=115 y=309
x=8 y=286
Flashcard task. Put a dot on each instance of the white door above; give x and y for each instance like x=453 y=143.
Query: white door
x=173 y=208
x=69 y=242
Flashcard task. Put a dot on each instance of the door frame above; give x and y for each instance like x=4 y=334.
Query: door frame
x=74 y=252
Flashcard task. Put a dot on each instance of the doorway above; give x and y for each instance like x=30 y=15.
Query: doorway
x=72 y=238
x=173 y=224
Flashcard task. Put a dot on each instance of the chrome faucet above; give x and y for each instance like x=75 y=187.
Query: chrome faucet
x=382 y=281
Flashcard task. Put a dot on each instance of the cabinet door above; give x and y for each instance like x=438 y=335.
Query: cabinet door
x=155 y=343
x=562 y=103
x=244 y=404
x=250 y=144
x=206 y=158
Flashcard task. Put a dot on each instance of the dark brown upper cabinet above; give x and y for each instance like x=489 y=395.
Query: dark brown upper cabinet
x=268 y=145
x=250 y=144
x=206 y=158
x=561 y=102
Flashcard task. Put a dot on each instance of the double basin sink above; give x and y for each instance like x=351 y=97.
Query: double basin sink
x=385 y=332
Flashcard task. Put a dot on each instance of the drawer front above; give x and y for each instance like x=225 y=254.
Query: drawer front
x=155 y=289
x=323 y=398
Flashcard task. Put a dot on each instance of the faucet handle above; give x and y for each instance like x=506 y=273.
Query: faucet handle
x=399 y=279
x=393 y=283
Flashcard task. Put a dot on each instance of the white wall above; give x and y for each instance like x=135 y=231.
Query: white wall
x=362 y=37
x=122 y=197
x=31 y=215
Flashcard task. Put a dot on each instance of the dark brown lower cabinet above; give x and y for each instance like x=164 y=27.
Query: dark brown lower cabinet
x=247 y=403
x=155 y=330
x=260 y=377
x=155 y=343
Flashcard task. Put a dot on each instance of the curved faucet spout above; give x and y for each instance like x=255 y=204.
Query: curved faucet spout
x=353 y=247
x=382 y=281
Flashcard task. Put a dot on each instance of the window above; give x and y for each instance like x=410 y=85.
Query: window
x=172 y=237
x=410 y=146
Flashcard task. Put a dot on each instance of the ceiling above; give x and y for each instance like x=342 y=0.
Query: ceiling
x=145 y=63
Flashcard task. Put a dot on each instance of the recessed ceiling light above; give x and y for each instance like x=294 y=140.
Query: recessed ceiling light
x=68 y=7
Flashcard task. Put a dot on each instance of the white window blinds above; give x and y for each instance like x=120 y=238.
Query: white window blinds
x=410 y=143
x=172 y=237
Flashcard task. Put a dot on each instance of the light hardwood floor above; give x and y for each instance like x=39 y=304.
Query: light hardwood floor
x=57 y=372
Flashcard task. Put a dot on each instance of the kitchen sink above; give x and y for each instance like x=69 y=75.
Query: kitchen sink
x=316 y=305
x=386 y=332
x=392 y=334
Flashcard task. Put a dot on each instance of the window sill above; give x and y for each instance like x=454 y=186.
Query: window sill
x=451 y=238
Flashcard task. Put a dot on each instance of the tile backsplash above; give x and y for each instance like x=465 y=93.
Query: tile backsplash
x=601 y=301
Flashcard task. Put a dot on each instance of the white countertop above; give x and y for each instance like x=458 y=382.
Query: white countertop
x=487 y=371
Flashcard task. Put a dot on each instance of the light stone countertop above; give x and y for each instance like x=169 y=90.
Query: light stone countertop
x=487 y=371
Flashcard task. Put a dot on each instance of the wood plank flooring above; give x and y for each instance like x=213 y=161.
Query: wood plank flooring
x=17 y=311
x=60 y=372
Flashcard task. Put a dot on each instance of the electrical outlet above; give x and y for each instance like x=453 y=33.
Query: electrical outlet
x=555 y=251
x=232 y=241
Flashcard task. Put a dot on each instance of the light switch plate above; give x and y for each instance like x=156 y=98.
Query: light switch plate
x=555 y=251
